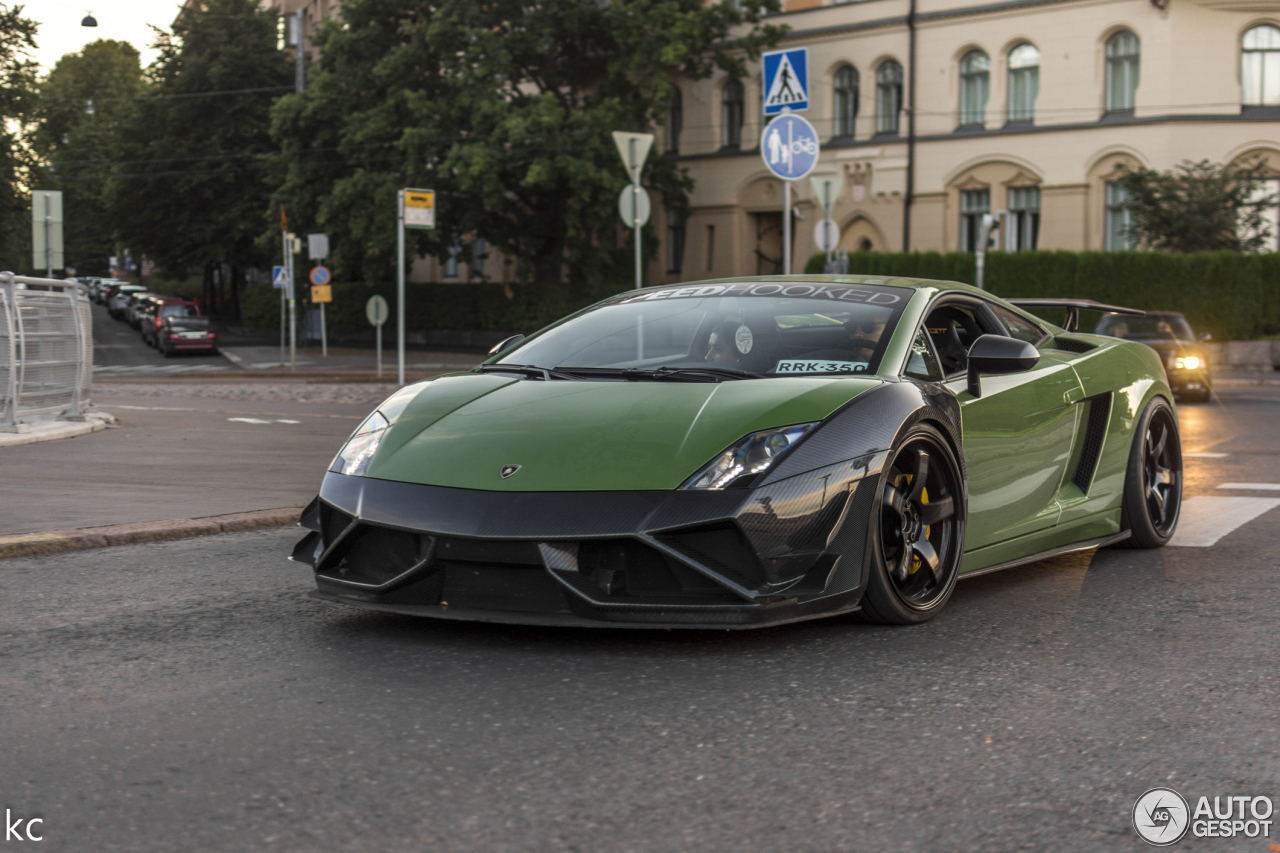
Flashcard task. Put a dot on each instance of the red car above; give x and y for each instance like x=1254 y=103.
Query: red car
x=161 y=309
x=187 y=334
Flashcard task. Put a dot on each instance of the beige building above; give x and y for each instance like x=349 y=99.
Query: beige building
x=1025 y=106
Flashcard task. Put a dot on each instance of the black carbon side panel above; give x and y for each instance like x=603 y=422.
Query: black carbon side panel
x=851 y=540
x=1095 y=433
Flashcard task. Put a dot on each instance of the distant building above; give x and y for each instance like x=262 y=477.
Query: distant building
x=1026 y=106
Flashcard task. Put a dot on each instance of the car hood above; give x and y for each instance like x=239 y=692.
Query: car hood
x=462 y=430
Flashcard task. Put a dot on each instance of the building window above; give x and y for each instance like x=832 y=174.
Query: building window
x=731 y=114
x=675 y=242
x=1260 y=66
x=479 y=251
x=451 y=265
x=975 y=84
x=1119 y=218
x=1024 y=218
x=1122 y=70
x=1024 y=82
x=846 y=100
x=888 y=97
x=675 y=122
x=973 y=204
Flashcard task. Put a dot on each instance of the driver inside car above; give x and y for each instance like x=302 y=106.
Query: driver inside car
x=720 y=347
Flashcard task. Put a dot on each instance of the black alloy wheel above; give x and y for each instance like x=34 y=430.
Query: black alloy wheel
x=919 y=531
x=1153 y=482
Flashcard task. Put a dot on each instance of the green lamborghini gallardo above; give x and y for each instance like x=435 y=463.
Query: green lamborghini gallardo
x=749 y=452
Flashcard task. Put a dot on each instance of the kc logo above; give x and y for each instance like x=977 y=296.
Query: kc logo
x=13 y=829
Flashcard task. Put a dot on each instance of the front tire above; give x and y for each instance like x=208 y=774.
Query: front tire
x=1153 y=481
x=916 y=533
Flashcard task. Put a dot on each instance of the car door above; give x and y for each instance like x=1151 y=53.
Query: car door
x=1017 y=435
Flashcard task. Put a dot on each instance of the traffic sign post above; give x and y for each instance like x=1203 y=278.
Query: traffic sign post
x=789 y=147
x=786 y=81
x=827 y=189
x=416 y=209
x=634 y=149
x=46 y=230
x=321 y=293
x=376 y=310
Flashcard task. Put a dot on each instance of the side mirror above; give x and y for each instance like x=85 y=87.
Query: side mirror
x=998 y=354
x=509 y=342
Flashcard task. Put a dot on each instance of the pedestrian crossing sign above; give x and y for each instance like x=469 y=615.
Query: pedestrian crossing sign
x=279 y=276
x=786 y=80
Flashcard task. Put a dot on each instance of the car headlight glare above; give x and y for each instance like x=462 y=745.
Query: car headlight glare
x=751 y=455
x=354 y=457
x=1188 y=362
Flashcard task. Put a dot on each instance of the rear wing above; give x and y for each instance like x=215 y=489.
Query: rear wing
x=1074 y=307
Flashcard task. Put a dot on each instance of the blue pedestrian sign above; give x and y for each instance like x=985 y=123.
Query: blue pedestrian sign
x=786 y=81
x=789 y=147
x=279 y=277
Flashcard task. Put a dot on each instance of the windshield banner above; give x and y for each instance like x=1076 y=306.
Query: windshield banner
x=793 y=290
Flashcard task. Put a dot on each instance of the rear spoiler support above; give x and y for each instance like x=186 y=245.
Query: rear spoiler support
x=1074 y=307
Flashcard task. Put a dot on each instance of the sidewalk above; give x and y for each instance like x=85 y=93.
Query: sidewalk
x=349 y=360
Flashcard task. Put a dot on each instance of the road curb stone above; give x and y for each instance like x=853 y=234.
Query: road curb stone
x=58 y=541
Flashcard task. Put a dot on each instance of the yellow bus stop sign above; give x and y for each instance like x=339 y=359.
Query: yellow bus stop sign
x=321 y=293
x=419 y=208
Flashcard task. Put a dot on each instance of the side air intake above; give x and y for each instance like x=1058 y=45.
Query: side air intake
x=1094 y=433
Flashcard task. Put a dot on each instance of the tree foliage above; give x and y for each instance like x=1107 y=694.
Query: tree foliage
x=17 y=99
x=83 y=104
x=505 y=108
x=191 y=188
x=1201 y=207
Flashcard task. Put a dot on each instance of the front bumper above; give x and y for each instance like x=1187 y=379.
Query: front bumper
x=737 y=558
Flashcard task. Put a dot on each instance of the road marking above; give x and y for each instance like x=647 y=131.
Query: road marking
x=1205 y=455
x=1205 y=520
x=1252 y=487
x=261 y=421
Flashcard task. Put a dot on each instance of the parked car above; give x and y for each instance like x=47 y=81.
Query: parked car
x=187 y=334
x=134 y=302
x=1168 y=333
x=158 y=310
x=121 y=296
x=106 y=288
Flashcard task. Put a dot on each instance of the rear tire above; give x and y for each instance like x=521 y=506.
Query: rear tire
x=1153 y=480
x=916 y=531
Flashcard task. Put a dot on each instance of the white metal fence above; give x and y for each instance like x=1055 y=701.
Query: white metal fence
x=46 y=348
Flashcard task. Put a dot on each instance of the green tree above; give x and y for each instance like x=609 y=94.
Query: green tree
x=505 y=108
x=83 y=103
x=1201 y=207
x=17 y=99
x=190 y=188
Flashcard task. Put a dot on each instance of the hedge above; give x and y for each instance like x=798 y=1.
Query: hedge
x=465 y=307
x=1232 y=296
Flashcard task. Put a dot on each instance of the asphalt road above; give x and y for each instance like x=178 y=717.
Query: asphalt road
x=189 y=696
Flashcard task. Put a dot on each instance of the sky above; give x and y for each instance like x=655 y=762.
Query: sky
x=124 y=20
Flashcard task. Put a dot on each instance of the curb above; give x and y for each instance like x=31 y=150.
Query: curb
x=84 y=538
x=94 y=421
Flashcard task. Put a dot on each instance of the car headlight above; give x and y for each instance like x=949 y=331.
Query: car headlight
x=754 y=454
x=354 y=457
x=1188 y=362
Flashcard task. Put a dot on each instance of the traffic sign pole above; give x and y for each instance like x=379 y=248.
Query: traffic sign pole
x=399 y=301
x=786 y=228
x=634 y=150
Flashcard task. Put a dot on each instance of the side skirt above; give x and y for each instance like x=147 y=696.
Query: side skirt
x=1052 y=552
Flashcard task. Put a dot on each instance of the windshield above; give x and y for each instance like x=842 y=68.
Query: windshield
x=1153 y=327
x=774 y=329
x=178 y=311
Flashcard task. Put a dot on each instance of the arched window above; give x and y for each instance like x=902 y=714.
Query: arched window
x=846 y=100
x=975 y=84
x=1122 y=70
x=888 y=96
x=1024 y=82
x=1260 y=66
x=731 y=114
x=675 y=122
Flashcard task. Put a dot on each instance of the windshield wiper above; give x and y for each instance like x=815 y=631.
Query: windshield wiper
x=675 y=374
x=530 y=370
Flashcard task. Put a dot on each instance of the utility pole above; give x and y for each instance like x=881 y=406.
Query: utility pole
x=300 y=42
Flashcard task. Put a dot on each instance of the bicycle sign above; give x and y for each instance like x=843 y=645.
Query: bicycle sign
x=789 y=147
